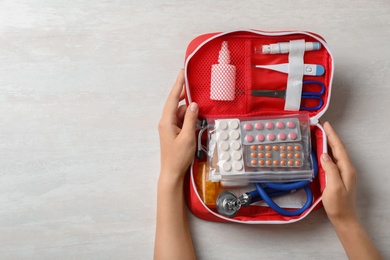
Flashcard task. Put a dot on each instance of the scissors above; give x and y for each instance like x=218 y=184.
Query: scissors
x=305 y=94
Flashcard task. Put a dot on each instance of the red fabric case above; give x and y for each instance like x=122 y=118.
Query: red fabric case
x=202 y=52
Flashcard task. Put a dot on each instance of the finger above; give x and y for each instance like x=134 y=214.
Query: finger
x=181 y=111
x=174 y=97
x=331 y=170
x=341 y=157
x=190 y=119
x=182 y=94
x=338 y=149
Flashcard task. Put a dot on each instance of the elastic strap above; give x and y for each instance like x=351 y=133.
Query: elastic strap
x=295 y=75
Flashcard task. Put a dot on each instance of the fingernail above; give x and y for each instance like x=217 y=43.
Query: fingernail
x=325 y=157
x=193 y=106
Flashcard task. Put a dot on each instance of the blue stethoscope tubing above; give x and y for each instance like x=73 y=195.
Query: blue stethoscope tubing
x=265 y=191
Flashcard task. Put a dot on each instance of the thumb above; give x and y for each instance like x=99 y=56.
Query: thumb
x=331 y=170
x=190 y=119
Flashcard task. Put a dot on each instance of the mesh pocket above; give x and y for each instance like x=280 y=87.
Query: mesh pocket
x=227 y=97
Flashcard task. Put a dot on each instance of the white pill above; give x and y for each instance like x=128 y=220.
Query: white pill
x=222 y=125
x=237 y=156
x=224 y=135
x=236 y=145
x=238 y=166
x=235 y=135
x=225 y=156
x=224 y=146
x=227 y=167
x=234 y=124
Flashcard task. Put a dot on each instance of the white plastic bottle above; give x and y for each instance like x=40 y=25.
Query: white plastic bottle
x=223 y=76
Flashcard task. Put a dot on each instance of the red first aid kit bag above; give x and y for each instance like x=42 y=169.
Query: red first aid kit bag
x=260 y=97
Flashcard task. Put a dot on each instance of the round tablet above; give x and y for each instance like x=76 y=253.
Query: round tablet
x=268 y=147
x=290 y=124
x=297 y=148
x=238 y=166
x=291 y=163
x=276 y=162
x=282 y=147
x=222 y=125
x=236 y=145
x=253 y=155
x=260 y=147
x=235 y=135
x=298 y=163
x=269 y=125
x=275 y=148
x=280 y=125
x=234 y=124
x=248 y=127
x=260 y=137
x=253 y=147
x=282 y=136
x=271 y=137
x=223 y=135
x=254 y=162
x=237 y=156
x=227 y=167
x=224 y=146
x=261 y=155
x=283 y=162
x=225 y=156
x=268 y=162
x=292 y=136
x=268 y=155
x=297 y=155
x=249 y=138
x=259 y=126
x=261 y=162
x=283 y=155
x=290 y=155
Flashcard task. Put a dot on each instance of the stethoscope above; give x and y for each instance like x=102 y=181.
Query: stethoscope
x=228 y=204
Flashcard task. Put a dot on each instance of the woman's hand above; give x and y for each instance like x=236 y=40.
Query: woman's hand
x=339 y=197
x=177 y=132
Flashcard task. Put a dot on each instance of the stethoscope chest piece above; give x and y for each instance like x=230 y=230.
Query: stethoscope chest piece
x=228 y=204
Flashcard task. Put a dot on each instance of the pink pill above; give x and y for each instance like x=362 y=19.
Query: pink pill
x=248 y=127
x=260 y=137
x=292 y=136
x=280 y=125
x=249 y=138
x=282 y=136
x=271 y=137
x=269 y=125
x=291 y=124
x=259 y=126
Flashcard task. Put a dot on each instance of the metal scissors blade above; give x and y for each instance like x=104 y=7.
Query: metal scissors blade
x=269 y=93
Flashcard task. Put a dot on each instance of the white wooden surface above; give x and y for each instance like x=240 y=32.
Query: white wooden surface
x=82 y=85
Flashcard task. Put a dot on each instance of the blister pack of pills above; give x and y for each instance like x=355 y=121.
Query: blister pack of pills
x=276 y=149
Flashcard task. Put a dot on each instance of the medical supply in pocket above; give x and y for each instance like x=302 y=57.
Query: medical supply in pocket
x=309 y=69
x=260 y=149
x=208 y=190
x=312 y=95
x=259 y=134
x=223 y=76
x=228 y=204
x=284 y=47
